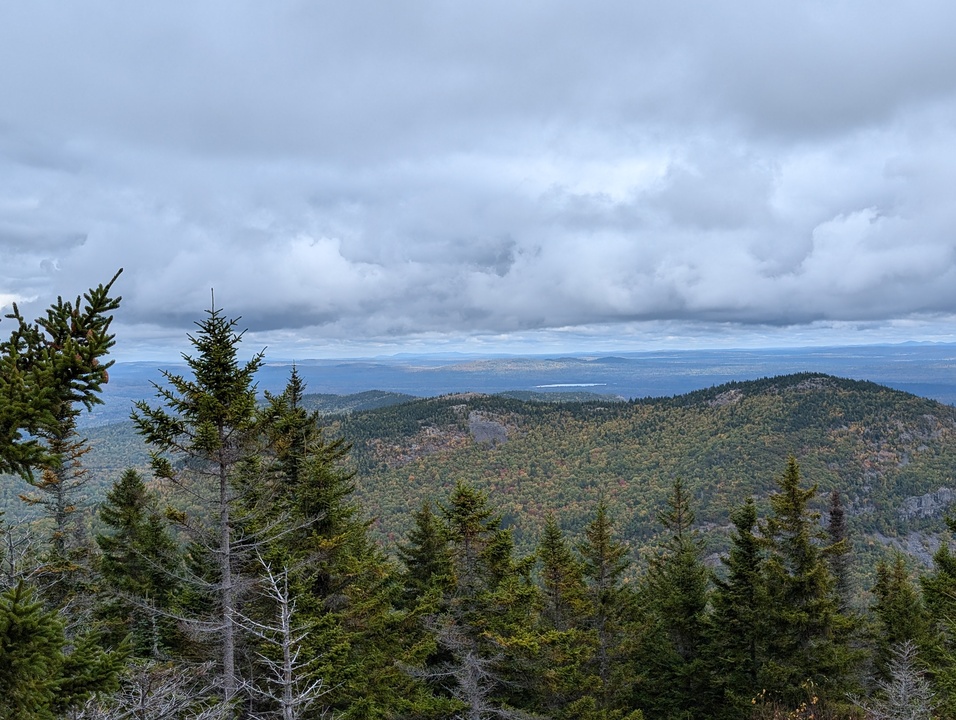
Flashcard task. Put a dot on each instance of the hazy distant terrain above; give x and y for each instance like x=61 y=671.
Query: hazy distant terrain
x=928 y=370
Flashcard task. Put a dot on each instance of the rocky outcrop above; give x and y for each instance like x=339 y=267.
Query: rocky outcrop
x=485 y=429
x=919 y=545
x=731 y=397
x=928 y=505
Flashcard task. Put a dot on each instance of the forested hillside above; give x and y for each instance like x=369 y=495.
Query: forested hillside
x=889 y=453
x=882 y=449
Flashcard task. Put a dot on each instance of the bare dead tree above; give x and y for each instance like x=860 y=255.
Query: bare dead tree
x=470 y=676
x=287 y=684
x=160 y=691
x=907 y=695
x=21 y=548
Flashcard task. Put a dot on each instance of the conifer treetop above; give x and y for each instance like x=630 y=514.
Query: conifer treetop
x=50 y=366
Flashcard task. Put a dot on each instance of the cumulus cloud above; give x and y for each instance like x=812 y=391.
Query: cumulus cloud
x=415 y=173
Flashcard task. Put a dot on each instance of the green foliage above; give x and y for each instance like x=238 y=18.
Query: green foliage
x=49 y=370
x=565 y=646
x=208 y=424
x=564 y=600
x=875 y=445
x=425 y=556
x=939 y=596
x=674 y=598
x=605 y=560
x=806 y=633
x=39 y=676
x=737 y=625
x=211 y=417
x=140 y=566
x=838 y=552
x=467 y=628
x=47 y=367
x=339 y=583
x=484 y=644
x=31 y=642
x=898 y=614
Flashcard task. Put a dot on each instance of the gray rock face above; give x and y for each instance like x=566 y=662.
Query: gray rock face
x=485 y=429
x=929 y=505
x=920 y=545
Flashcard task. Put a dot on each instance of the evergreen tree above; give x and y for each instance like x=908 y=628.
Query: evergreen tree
x=338 y=580
x=736 y=624
x=605 y=562
x=564 y=601
x=563 y=651
x=838 y=552
x=675 y=595
x=208 y=424
x=47 y=369
x=31 y=640
x=898 y=614
x=310 y=491
x=61 y=478
x=481 y=623
x=939 y=586
x=807 y=636
x=425 y=557
x=140 y=566
x=939 y=652
x=39 y=678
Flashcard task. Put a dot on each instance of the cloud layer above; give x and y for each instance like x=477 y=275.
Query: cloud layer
x=413 y=172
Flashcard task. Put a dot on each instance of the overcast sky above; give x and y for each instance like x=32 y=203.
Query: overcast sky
x=356 y=177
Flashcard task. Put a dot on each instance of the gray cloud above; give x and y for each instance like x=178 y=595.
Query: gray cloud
x=416 y=173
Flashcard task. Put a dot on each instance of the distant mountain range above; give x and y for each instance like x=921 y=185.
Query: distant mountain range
x=928 y=370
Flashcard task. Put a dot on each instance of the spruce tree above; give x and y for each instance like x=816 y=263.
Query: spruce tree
x=567 y=686
x=207 y=424
x=425 y=557
x=41 y=674
x=898 y=613
x=309 y=489
x=140 y=566
x=674 y=595
x=338 y=581
x=838 y=552
x=605 y=561
x=31 y=640
x=807 y=636
x=939 y=653
x=564 y=601
x=426 y=580
x=737 y=623
x=481 y=623
x=48 y=368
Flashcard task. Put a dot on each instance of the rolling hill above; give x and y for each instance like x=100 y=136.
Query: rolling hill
x=891 y=454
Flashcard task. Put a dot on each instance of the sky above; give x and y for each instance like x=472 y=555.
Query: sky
x=368 y=178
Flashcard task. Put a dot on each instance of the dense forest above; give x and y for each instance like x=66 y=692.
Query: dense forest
x=246 y=572
x=884 y=451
